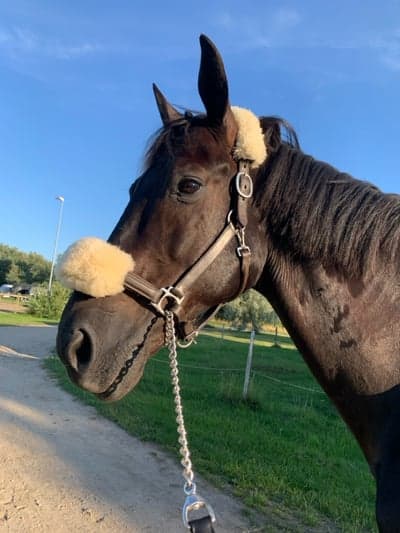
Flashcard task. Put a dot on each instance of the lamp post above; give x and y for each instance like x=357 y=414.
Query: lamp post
x=61 y=200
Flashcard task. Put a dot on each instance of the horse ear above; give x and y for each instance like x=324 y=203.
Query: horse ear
x=167 y=112
x=213 y=89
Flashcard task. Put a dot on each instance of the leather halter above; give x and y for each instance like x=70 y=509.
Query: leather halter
x=171 y=298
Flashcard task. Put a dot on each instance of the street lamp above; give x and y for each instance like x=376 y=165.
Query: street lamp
x=53 y=262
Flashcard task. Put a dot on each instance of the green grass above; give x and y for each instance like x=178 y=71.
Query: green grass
x=284 y=450
x=262 y=339
x=8 y=318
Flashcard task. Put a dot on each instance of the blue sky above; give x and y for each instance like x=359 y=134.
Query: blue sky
x=76 y=106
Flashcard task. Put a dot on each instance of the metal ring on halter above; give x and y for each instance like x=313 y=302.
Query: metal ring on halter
x=247 y=181
x=229 y=217
x=167 y=293
x=185 y=344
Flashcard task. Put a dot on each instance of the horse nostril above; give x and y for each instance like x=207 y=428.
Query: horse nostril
x=79 y=352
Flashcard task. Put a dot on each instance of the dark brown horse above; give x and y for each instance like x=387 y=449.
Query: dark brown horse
x=324 y=251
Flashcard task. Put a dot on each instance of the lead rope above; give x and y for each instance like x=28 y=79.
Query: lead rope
x=193 y=501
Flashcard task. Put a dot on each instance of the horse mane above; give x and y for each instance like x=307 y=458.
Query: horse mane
x=314 y=212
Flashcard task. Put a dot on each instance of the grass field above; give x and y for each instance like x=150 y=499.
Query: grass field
x=13 y=313
x=284 y=450
x=8 y=318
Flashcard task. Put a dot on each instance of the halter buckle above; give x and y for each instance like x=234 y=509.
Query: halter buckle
x=168 y=293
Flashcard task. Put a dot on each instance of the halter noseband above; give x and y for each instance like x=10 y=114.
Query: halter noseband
x=171 y=298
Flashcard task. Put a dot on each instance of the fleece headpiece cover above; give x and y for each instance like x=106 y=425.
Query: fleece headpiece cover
x=250 y=143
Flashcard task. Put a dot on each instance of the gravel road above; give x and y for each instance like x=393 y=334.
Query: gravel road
x=64 y=468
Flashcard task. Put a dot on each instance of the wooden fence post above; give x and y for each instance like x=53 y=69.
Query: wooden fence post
x=248 y=365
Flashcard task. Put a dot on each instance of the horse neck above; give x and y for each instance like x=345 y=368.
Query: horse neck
x=328 y=254
x=301 y=298
x=325 y=310
x=315 y=307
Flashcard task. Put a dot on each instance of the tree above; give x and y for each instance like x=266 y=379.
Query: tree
x=14 y=274
x=20 y=267
x=251 y=308
x=39 y=268
x=5 y=265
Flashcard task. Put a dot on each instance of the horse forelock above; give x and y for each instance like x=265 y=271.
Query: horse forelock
x=172 y=135
x=177 y=134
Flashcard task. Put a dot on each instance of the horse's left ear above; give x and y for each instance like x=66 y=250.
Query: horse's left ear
x=167 y=112
x=213 y=89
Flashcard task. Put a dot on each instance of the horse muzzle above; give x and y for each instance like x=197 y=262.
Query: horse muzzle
x=99 y=342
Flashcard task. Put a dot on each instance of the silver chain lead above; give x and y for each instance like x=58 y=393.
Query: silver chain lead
x=193 y=502
x=188 y=475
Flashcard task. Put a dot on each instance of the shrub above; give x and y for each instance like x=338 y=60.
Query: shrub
x=251 y=308
x=48 y=305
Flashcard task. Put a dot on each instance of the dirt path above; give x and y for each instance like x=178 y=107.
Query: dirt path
x=64 y=468
x=11 y=305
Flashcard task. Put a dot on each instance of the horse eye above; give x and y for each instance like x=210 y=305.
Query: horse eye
x=188 y=186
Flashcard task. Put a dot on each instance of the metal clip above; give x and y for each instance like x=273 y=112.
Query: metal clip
x=194 y=502
x=242 y=249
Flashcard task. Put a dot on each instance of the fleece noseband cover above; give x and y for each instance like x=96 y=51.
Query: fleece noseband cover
x=94 y=267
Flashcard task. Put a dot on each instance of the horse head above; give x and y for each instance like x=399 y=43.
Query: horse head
x=187 y=241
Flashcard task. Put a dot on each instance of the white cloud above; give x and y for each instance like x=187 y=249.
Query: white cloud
x=392 y=61
x=290 y=28
x=19 y=42
x=73 y=51
x=286 y=18
x=389 y=48
x=264 y=29
x=225 y=20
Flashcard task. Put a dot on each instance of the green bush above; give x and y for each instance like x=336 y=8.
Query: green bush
x=251 y=308
x=48 y=305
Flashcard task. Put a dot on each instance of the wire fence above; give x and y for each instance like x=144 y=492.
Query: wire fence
x=227 y=335
x=288 y=384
